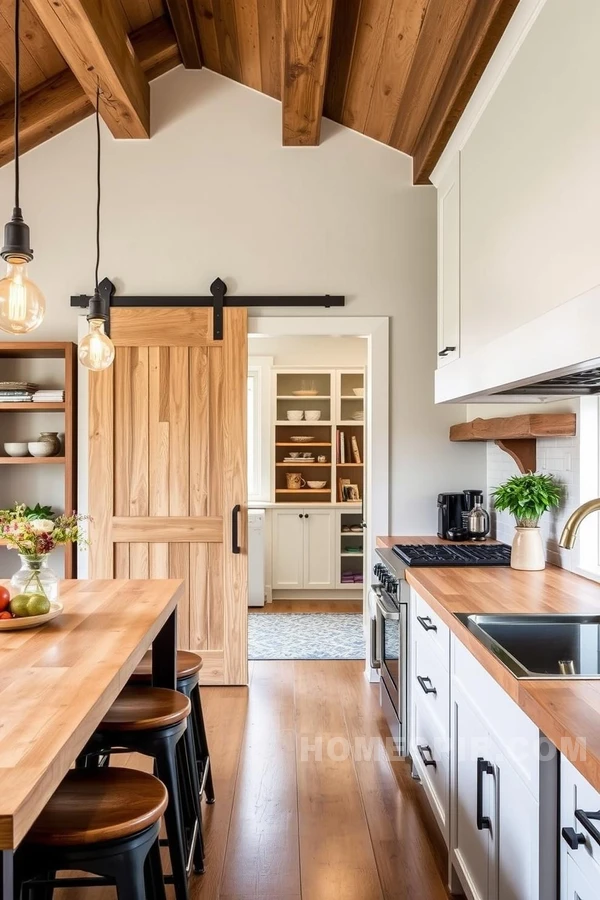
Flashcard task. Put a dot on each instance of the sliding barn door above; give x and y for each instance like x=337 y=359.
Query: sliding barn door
x=167 y=471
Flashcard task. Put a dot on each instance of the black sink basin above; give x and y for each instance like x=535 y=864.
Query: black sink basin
x=540 y=646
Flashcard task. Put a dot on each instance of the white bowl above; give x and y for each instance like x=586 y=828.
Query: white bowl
x=358 y=392
x=16 y=448
x=312 y=415
x=316 y=485
x=40 y=448
x=294 y=415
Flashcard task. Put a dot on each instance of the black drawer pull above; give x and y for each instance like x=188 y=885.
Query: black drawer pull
x=428 y=688
x=426 y=623
x=586 y=820
x=427 y=760
x=483 y=768
x=573 y=838
x=446 y=351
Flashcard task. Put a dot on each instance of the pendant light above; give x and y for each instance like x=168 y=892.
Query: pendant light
x=22 y=304
x=96 y=350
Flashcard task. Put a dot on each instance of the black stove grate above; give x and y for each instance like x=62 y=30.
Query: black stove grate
x=459 y=555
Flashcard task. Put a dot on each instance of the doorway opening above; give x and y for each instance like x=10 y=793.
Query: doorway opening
x=313 y=508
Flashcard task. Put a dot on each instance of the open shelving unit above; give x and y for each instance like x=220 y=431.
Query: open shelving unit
x=14 y=358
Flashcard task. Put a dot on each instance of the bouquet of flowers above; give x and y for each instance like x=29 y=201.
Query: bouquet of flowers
x=33 y=535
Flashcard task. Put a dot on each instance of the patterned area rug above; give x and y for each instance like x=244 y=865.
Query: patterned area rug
x=305 y=636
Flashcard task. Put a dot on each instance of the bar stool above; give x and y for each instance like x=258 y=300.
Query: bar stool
x=153 y=721
x=105 y=822
x=188 y=682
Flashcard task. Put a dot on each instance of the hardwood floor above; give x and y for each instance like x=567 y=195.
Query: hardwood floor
x=309 y=606
x=308 y=805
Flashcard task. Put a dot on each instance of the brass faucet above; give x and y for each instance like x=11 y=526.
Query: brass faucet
x=569 y=534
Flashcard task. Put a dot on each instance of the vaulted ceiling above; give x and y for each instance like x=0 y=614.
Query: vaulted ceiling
x=400 y=71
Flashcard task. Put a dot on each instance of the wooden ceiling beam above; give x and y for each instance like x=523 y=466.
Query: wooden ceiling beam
x=185 y=26
x=306 y=29
x=483 y=28
x=61 y=102
x=93 y=40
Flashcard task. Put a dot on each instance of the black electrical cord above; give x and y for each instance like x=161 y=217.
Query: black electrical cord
x=98 y=159
x=17 y=97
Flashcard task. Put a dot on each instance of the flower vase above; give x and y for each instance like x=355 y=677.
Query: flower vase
x=35 y=577
x=527 y=550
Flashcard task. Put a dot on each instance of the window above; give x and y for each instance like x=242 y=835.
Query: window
x=259 y=459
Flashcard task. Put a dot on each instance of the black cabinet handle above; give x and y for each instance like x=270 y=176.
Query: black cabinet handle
x=586 y=820
x=428 y=688
x=426 y=623
x=446 y=351
x=375 y=661
x=483 y=768
x=427 y=760
x=235 y=517
x=573 y=838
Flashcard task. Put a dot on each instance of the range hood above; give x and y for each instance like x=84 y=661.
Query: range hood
x=578 y=383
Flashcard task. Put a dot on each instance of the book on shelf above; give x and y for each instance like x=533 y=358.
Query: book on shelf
x=342 y=456
x=355 y=450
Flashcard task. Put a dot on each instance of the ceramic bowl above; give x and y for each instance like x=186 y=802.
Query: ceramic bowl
x=312 y=415
x=358 y=392
x=294 y=454
x=16 y=449
x=316 y=485
x=40 y=448
x=294 y=415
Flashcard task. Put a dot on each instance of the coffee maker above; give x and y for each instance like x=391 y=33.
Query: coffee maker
x=450 y=513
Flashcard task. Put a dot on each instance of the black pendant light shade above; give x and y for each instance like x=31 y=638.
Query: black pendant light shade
x=16 y=239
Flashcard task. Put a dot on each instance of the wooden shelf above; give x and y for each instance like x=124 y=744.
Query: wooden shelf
x=349 y=465
x=348 y=555
x=303 y=491
x=517 y=435
x=303 y=423
x=32 y=407
x=30 y=460
x=300 y=462
x=350 y=423
x=350 y=397
x=295 y=397
x=300 y=444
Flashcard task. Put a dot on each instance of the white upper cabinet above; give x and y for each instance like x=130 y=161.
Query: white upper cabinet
x=448 y=228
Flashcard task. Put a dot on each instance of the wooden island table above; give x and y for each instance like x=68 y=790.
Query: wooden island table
x=58 y=681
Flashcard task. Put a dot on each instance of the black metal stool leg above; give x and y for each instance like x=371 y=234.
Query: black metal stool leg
x=167 y=772
x=191 y=770
x=155 y=883
x=203 y=754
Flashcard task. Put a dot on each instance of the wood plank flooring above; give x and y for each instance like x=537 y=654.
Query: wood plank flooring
x=309 y=606
x=308 y=806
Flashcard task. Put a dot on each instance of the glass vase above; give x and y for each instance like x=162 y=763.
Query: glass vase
x=35 y=577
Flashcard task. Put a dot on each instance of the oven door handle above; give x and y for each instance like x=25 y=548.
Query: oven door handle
x=375 y=661
x=388 y=611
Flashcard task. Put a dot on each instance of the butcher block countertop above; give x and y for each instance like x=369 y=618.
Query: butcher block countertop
x=567 y=711
x=57 y=682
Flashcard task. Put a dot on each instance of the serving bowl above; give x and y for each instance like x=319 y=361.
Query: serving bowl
x=312 y=415
x=22 y=622
x=16 y=448
x=40 y=448
x=358 y=392
x=294 y=415
x=316 y=485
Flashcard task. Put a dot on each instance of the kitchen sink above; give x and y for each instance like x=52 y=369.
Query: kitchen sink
x=535 y=646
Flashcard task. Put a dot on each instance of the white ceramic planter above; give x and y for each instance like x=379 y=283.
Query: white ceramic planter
x=528 y=550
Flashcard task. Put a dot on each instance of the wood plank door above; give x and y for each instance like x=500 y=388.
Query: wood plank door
x=167 y=471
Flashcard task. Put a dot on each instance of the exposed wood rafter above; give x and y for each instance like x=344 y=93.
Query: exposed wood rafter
x=484 y=25
x=92 y=38
x=61 y=102
x=185 y=26
x=307 y=26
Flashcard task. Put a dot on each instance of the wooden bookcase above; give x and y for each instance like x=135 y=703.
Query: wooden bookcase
x=20 y=351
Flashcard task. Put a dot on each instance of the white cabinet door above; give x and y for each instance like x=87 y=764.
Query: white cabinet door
x=288 y=548
x=319 y=549
x=514 y=870
x=449 y=265
x=473 y=799
x=577 y=885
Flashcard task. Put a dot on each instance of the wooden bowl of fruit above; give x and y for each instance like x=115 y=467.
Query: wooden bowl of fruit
x=26 y=610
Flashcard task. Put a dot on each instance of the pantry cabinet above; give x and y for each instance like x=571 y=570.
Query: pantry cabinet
x=304 y=549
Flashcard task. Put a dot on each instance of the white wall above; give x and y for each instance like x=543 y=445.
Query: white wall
x=530 y=191
x=214 y=194
x=303 y=352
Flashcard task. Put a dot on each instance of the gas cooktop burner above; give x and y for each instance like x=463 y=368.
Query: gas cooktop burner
x=457 y=555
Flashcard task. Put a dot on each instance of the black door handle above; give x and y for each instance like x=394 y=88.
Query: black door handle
x=427 y=760
x=446 y=351
x=428 y=688
x=235 y=518
x=572 y=838
x=483 y=768
x=586 y=820
x=426 y=623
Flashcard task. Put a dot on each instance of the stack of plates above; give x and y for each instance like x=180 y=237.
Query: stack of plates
x=298 y=459
x=358 y=416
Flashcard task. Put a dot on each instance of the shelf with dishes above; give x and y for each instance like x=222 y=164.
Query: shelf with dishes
x=350 y=544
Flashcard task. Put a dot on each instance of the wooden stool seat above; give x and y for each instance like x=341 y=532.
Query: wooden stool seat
x=142 y=709
x=92 y=807
x=188 y=664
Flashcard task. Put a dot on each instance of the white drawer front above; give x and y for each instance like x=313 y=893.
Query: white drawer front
x=430 y=745
x=577 y=794
x=512 y=730
x=577 y=886
x=429 y=628
x=431 y=682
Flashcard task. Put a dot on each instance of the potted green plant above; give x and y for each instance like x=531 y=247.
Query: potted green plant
x=527 y=498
